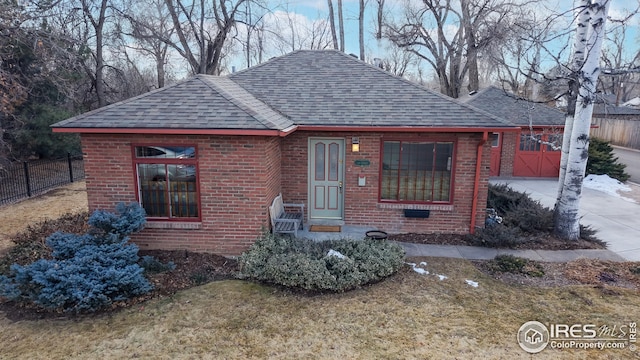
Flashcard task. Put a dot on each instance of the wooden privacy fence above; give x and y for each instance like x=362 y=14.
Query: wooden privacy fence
x=621 y=132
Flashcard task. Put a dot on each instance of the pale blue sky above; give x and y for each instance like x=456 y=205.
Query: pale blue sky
x=314 y=9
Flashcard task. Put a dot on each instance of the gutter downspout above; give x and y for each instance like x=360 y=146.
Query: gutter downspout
x=476 y=185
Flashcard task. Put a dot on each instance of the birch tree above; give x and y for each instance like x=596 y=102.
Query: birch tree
x=579 y=51
x=590 y=32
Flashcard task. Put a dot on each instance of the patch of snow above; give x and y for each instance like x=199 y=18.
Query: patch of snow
x=423 y=263
x=472 y=283
x=336 y=254
x=605 y=184
x=633 y=102
x=421 y=271
x=442 y=277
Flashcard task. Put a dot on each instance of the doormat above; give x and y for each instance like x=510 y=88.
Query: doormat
x=325 y=228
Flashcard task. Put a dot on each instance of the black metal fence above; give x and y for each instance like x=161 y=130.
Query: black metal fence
x=25 y=179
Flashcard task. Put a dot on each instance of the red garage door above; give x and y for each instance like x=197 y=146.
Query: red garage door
x=537 y=155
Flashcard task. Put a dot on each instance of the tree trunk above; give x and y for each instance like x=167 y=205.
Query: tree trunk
x=361 y=29
x=567 y=221
x=160 y=73
x=332 y=24
x=583 y=16
x=99 y=26
x=341 y=25
x=380 y=18
x=472 y=50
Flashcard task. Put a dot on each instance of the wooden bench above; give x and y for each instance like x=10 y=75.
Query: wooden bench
x=286 y=218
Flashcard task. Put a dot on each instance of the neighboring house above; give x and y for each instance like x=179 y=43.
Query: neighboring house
x=355 y=144
x=535 y=151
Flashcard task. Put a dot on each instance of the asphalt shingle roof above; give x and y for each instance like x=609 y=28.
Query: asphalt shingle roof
x=307 y=87
x=201 y=102
x=607 y=109
x=327 y=87
x=518 y=111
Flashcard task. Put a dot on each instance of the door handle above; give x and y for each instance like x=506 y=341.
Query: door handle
x=340 y=186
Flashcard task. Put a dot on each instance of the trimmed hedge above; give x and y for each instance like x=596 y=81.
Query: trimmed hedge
x=87 y=272
x=309 y=265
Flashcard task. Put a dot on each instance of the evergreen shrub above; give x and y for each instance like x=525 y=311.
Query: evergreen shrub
x=515 y=265
x=602 y=161
x=310 y=265
x=86 y=273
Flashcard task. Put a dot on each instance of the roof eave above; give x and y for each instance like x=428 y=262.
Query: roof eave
x=461 y=129
x=174 y=131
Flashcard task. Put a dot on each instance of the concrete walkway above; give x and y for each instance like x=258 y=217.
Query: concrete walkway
x=617 y=221
x=482 y=253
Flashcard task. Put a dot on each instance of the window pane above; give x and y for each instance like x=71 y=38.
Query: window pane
x=390 y=166
x=555 y=140
x=334 y=156
x=152 y=192
x=320 y=162
x=442 y=173
x=495 y=139
x=152 y=172
x=529 y=142
x=159 y=152
x=182 y=191
x=416 y=172
x=169 y=189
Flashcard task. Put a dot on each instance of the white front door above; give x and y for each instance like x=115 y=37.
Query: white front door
x=326 y=182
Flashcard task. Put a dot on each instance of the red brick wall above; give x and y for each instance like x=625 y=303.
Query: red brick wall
x=239 y=177
x=508 y=154
x=361 y=203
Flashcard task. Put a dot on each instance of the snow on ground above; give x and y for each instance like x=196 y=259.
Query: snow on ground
x=472 y=283
x=419 y=270
x=606 y=184
x=422 y=271
x=335 y=253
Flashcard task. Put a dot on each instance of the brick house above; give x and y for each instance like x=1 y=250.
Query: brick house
x=525 y=153
x=355 y=144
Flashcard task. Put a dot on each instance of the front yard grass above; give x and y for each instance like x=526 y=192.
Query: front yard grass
x=408 y=316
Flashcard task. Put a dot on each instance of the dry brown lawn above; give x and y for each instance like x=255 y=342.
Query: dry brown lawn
x=408 y=316
x=14 y=218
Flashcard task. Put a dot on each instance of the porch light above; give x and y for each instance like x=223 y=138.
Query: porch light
x=355 y=144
